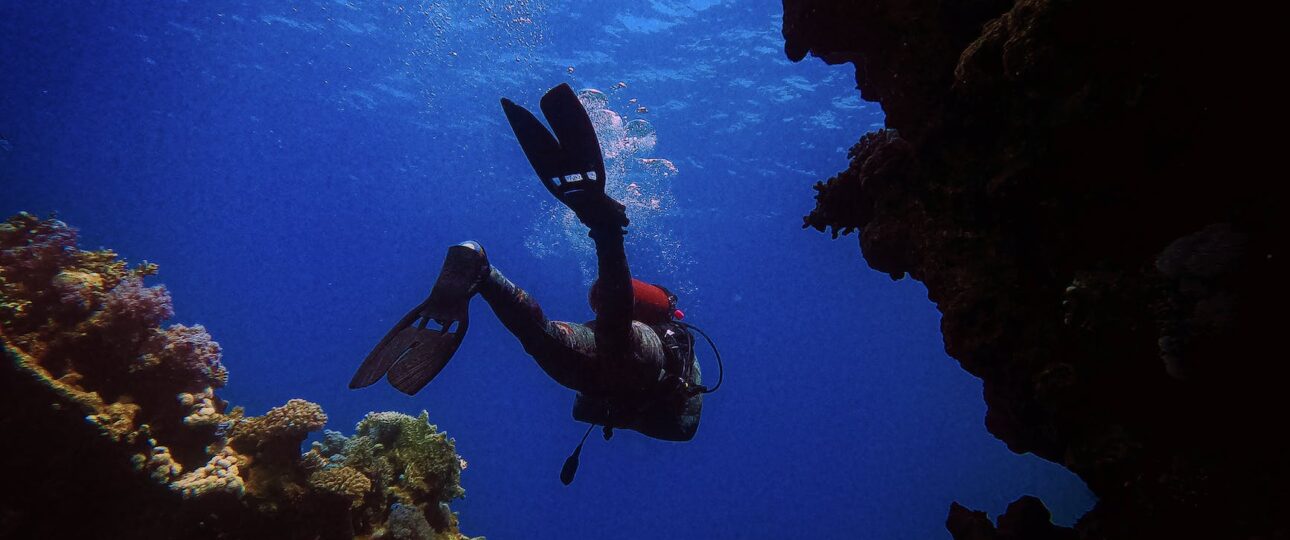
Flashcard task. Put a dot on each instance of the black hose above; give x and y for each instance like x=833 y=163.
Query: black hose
x=721 y=368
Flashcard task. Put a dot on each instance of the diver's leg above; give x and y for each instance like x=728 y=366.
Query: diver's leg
x=569 y=163
x=411 y=354
x=614 y=292
x=565 y=351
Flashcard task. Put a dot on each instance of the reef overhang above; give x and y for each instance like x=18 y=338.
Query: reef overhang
x=1080 y=186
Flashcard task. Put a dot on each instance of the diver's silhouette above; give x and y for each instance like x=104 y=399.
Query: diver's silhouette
x=633 y=367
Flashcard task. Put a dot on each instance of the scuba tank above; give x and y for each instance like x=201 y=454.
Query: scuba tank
x=651 y=304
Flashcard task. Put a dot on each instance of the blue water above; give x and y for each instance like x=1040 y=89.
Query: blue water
x=297 y=170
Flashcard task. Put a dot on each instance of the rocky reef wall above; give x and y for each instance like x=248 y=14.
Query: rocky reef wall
x=113 y=428
x=1085 y=189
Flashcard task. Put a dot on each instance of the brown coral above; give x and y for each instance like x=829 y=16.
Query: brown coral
x=289 y=423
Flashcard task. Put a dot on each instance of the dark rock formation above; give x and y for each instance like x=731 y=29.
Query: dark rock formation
x=1082 y=187
x=1025 y=519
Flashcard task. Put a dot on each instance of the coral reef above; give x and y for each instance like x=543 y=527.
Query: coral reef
x=1093 y=217
x=120 y=420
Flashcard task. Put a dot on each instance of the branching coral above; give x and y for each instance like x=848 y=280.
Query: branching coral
x=130 y=308
x=48 y=286
x=87 y=315
x=87 y=320
x=186 y=355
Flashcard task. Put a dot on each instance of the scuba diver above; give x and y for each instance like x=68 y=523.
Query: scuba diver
x=633 y=367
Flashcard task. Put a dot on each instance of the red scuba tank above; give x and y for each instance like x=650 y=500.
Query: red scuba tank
x=651 y=304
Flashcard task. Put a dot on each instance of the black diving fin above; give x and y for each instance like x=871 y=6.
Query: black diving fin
x=569 y=163
x=412 y=354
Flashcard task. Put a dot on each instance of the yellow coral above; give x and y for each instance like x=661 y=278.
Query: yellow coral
x=344 y=481
x=201 y=408
x=160 y=465
x=220 y=474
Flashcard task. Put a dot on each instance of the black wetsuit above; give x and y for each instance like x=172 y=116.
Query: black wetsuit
x=625 y=372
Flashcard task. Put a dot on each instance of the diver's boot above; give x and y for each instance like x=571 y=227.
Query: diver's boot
x=411 y=353
x=597 y=210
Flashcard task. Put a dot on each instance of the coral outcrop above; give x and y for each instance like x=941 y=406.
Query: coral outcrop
x=407 y=459
x=1081 y=188
x=117 y=418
